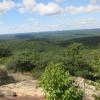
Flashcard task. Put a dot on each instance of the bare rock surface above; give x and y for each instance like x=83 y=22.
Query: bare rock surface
x=25 y=87
x=89 y=90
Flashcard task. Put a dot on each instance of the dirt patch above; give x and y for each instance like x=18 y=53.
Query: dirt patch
x=26 y=88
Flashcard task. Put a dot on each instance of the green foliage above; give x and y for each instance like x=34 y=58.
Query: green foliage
x=58 y=84
x=74 y=49
x=23 y=61
x=24 y=53
x=75 y=63
x=96 y=97
x=39 y=52
x=4 y=51
x=92 y=57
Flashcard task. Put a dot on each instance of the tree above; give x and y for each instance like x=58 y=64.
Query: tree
x=58 y=84
x=23 y=61
x=74 y=62
x=74 y=49
x=4 y=51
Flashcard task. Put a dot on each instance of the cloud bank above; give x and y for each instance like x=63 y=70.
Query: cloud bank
x=6 y=5
x=49 y=9
x=52 y=8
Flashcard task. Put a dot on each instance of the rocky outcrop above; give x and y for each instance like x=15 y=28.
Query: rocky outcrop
x=88 y=90
x=24 y=89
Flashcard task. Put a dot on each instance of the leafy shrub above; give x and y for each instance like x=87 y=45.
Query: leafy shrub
x=74 y=62
x=96 y=97
x=4 y=51
x=74 y=49
x=58 y=84
x=5 y=78
x=23 y=61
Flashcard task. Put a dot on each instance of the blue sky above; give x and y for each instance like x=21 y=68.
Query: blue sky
x=48 y=15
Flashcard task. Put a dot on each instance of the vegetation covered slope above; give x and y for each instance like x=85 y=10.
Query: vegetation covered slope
x=79 y=55
x=21 y=54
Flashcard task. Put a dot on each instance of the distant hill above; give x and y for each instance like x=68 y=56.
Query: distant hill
x=55 y=35
x=87 y=41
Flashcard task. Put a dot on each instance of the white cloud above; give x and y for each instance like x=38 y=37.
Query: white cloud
x=27 y=6
x=94 y=1
x=56 y=26
x=6 y=5
x=53 y=8
x=87 y=21
x=41 y=8
x=31 y=19
x=59 y=1
x=83 y=9
x=49 y=9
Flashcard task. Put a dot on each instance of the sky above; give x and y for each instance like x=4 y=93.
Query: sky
x=18 y=16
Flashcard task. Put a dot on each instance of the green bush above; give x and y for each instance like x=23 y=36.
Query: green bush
x=4 y=51
x=74 y=49
x=75 y=63
x=23 y=61
x=96 y=97
x=58 y=84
